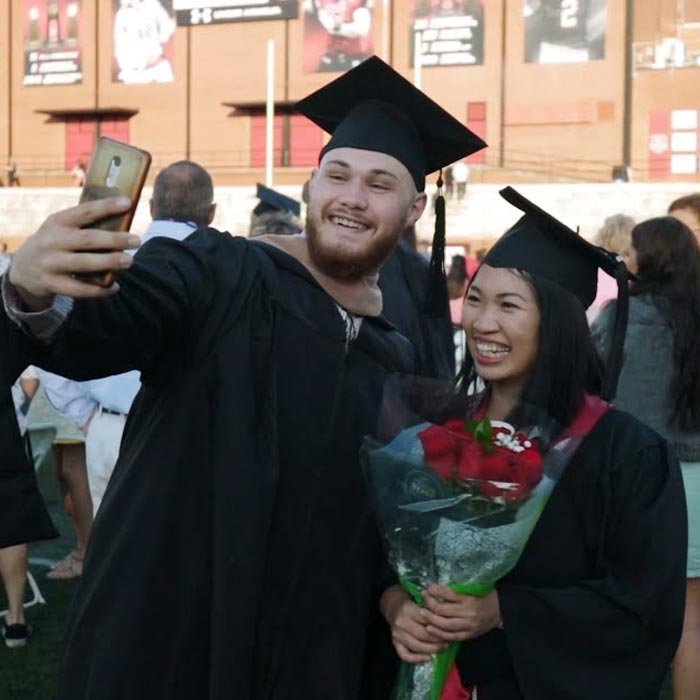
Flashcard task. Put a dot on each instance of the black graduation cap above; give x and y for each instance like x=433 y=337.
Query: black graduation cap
x=271 y=200
x=543 y=246
x=373 y=108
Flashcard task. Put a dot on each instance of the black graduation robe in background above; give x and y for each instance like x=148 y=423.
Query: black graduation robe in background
x=23 y=515
x=594 y=608
x=403 y=280
x=235 y=554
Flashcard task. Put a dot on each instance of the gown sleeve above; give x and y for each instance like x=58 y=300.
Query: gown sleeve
x=613 y=635
x=171 y=295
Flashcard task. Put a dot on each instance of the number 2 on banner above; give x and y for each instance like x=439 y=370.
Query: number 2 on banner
x=569 y=14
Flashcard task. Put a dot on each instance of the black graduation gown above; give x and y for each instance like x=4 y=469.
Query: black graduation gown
x=403 y=280
x=23 y=515
x=594 y=608
x=235 y=553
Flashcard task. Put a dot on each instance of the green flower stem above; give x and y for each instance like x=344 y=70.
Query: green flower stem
x=444 y=660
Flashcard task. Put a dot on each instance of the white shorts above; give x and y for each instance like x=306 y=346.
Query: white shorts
x=102 y=443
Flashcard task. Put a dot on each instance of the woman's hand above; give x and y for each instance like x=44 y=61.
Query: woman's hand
x=453 y=617
x=412 y=640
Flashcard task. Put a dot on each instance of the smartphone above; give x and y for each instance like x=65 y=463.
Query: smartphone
x=116 y=169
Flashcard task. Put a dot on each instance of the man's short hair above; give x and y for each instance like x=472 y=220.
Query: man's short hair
x=183 y=192
x=690 y=201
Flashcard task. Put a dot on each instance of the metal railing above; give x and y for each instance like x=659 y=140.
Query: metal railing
x=50 y=171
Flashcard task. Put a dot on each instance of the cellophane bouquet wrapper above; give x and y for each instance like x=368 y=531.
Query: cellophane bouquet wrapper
x=457 y=497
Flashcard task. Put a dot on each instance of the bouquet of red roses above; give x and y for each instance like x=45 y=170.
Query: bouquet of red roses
x=457 y=501
x=487 y=459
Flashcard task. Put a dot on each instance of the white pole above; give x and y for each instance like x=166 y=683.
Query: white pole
x=417 y=59
x=270 y=115
x=385 y=28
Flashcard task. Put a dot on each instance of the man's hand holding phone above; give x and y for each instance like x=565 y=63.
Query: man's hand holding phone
x=59 y=256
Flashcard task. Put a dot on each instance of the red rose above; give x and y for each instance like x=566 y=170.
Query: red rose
x=439 y=450
x=495 y=466
x=470 y=460
x=527 y=467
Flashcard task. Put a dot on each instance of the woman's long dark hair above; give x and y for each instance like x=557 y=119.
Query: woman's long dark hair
x=567 y=363
x=668 y=267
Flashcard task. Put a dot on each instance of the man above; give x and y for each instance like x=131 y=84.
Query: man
x=236 y=552
x=275 y=214
x=182 y=201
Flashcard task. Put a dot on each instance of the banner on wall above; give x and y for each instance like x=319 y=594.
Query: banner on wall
x=674 y=142
x=190 y=12
x=565 y=31
x=451 y=32
x=143 y=32
x=337 y=34
x=52 y=42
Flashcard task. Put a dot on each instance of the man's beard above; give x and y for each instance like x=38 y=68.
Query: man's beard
x=346 y=265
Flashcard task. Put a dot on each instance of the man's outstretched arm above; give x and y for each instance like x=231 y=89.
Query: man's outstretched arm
x=152 y=315
x=48 y=262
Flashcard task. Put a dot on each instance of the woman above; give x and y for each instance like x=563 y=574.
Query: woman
x=660 y=385
x=615 y=236
x=594 y=607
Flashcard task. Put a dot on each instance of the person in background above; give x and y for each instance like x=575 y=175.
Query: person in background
x=687 y=209
x=275 y=214
x=5 y=257
x=70 y=471
x=460 y=175
x=456 y=285
x=660 y=385
x=471 y=261
x=78 y=174
x=13 y=560
x=615 y=236
x=403 y=281
x=449 y=182
x=12 y=174
x=182 y=201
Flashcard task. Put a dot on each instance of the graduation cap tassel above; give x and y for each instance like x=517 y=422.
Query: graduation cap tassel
x=615 y=354
x=437 y=303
